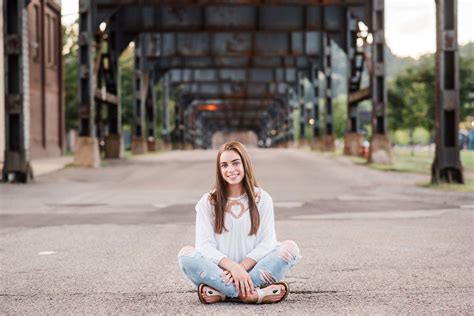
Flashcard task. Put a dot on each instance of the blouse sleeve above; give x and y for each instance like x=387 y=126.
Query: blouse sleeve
x=266 y=237
x=205 y=239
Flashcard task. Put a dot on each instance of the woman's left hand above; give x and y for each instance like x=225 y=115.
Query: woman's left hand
x=227 y=277
x=242 y=280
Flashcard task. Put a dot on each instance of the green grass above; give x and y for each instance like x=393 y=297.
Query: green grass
x=468 y=186
x=420 y=162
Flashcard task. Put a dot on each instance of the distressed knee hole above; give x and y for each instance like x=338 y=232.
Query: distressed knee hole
x=289 y=250
x=266 y=277
x=202 y=274
x=186 y=251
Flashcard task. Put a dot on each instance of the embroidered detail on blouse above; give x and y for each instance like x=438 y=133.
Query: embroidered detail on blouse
x=236 y=209
x=258 y=195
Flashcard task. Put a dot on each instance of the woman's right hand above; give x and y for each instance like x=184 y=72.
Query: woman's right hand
x=242 y=280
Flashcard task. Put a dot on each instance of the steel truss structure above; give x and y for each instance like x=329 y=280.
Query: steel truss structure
x=237 y=65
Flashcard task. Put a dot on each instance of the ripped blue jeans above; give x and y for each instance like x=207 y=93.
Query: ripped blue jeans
x=271 y=268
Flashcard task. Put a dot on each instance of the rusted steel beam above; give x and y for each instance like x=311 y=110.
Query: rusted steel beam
x=247 y=103
x=380 y=150
x=378 y=80
x=359 y=96
x=447 y=164
x=313 y=77
x=234 y=90
x=141 y=90
x=181 y=3
x=165 y=131
x=151 y=108
x=106 y=97
x=300 y=92
x=328 y=86
x=87 y=72
x=113 y=140
x=241 y=44
x=233 y=62
x=16 y=167
x=216 y=75
x=87 y=146
x=356 y=67
x=231 y=18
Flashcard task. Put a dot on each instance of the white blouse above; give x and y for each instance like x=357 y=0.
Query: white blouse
x=235 y=243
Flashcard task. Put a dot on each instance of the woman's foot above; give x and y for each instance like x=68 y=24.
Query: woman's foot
x=271 y=294
x=208 y=295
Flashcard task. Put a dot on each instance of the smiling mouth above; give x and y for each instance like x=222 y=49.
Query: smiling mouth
x=233 y=177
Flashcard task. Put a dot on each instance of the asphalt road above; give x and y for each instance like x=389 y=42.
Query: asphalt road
x=97 y=241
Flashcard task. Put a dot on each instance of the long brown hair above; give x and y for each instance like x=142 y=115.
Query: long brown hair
x=219 y=194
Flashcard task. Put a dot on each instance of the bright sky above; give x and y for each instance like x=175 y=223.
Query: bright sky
x=410 y=24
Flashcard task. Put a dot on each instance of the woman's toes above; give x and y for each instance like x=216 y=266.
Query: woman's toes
x=210 y=299
x=283 y=291
x=275 y=297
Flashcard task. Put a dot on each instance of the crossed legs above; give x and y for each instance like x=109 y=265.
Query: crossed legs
x=270 y=269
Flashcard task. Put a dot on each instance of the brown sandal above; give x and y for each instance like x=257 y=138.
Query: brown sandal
x=209 y=292
x=267 y=291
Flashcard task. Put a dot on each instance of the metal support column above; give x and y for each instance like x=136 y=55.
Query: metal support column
x=165 y=116
x=301 y=101
x=151 y=113
x=289 y=125
x=188 y=131
x=315 y=116
x=176 y=134
x=328 y=139
x=113 y=138
x=380 y=147
x=353 y=141
x=289 y=119
x=87 y=146
x=16 y=166
x=181 y=140
x=141 y=78
x=447 y=164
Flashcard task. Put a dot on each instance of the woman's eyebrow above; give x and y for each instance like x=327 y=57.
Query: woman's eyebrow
x=236 y=159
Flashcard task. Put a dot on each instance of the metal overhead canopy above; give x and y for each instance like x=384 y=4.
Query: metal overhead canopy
x=300 y=62
x=228 y=50
x=223 y=75
x=226 y=40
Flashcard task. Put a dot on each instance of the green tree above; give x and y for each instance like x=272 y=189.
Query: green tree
x=412 y=93
x=467 y=84
x=126 y=92
x=339 y=117
x=71 y=75
x=411 y=98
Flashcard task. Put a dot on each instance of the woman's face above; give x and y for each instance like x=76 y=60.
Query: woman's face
x=232 y=168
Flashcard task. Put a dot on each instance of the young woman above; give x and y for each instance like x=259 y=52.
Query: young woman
x=237 y=254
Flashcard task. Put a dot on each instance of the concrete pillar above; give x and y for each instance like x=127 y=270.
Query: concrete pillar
x=447 y=164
